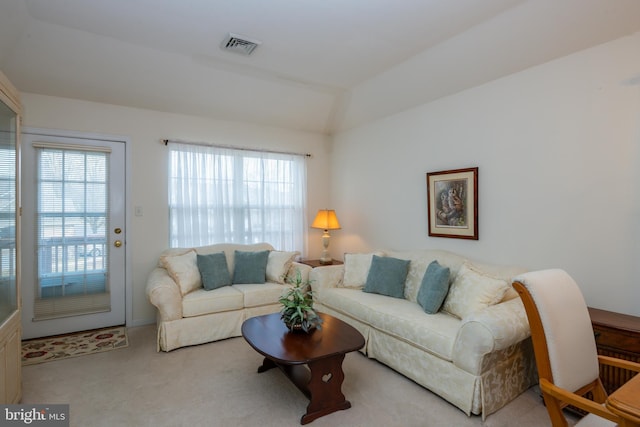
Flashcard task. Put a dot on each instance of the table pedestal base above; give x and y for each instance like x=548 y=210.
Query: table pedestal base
x=319 y=380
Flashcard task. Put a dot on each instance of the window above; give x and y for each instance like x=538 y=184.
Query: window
x=72 y=219
x=222 y=195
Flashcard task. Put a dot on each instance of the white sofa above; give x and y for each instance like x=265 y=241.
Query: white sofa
x=478 y=363
x=188 y=314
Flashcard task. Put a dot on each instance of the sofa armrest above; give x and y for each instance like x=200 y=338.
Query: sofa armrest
x=165 y=294
x=328 y=276
x=293 y=271
x=494 y=328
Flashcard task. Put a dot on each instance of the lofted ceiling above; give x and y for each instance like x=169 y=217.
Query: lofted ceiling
x=322 y=65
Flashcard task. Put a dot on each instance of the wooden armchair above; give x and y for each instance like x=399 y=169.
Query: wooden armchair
x=565 y=348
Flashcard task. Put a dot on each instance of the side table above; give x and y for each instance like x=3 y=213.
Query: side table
x=624 y=403
x=316 y=262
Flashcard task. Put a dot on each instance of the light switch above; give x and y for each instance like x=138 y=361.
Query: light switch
x=138 y=210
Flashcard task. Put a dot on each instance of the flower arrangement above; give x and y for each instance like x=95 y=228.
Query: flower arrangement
x=297 y=306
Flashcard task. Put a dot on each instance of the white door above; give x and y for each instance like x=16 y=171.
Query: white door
x=73 y=220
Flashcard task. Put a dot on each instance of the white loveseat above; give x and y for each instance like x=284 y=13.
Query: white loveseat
x=188 y=314
x=478 y=362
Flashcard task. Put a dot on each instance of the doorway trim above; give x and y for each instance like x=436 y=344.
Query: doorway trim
x=128 y=295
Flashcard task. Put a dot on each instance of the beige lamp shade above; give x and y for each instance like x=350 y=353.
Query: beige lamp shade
x=326 y=219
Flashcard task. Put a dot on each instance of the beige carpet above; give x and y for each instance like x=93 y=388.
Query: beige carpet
x=217 y=385
x=73 y=345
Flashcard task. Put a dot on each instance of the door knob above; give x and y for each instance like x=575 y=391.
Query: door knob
x=117 y=243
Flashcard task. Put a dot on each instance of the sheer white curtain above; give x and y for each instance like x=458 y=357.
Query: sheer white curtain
x=219 y=195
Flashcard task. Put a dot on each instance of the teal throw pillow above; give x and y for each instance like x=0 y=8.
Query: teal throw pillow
x=250 y=267
x=213 y=270
x=386 y=276
x=434 y=288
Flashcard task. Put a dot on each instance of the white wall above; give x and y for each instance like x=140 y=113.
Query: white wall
x=557 y=148
x=148 y=235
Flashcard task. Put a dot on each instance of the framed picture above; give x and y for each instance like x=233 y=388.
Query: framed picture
x=452 y=202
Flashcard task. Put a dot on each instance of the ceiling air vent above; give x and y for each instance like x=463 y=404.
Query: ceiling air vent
x=239 y=44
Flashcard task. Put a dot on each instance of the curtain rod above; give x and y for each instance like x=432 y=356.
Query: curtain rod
x=209 y=144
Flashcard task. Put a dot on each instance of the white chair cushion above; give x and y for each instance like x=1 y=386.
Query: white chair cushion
x=592 y=420
x=567 y=327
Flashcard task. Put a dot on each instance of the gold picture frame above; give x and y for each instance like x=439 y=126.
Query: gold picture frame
x=452 y=203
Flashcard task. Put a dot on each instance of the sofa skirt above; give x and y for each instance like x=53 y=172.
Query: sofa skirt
x=507 y=373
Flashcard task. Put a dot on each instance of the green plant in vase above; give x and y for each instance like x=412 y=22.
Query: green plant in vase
x=297 y=306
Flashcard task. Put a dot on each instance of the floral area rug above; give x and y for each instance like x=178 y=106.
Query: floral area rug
x=72 y=345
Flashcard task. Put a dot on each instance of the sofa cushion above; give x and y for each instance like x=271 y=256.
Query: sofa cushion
x=256 y=295
x=407 y=321
x=420 y=260
x=183 y=269
x=400 y=318
x=353 y=302
x=473 y=290
x=356 y=269
x=386 y=276
x=213 y=270
x=201 y=302
x=250 y=267
x=229 y=250
x=278 y=265
x=434 y=288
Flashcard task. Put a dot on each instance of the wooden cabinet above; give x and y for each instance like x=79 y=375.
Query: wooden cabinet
x=10 y=302
x=617 y=335
x=10 y=361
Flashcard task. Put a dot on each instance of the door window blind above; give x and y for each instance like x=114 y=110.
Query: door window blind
x=72 y=219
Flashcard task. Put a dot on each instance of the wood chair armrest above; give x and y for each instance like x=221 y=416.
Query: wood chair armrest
x=583 y=403
x=619 y=363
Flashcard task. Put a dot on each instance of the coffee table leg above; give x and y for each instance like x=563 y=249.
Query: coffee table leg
x=266 y=365
x=325 y=388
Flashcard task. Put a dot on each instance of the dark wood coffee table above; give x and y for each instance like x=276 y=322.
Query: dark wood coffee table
x=313 y=361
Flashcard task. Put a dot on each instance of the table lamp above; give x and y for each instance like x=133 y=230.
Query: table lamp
x=326 y=220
